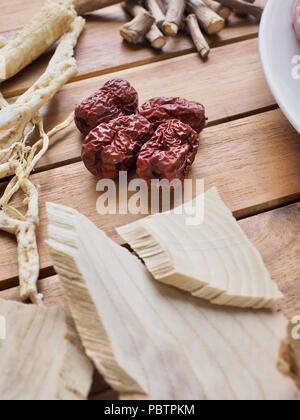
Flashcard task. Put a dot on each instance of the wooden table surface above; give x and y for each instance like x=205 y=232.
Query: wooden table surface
x=249 y=150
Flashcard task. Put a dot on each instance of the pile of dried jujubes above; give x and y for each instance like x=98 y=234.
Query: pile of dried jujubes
x=159 y=139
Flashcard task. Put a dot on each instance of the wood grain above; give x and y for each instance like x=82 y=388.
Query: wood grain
x=54 y=296
x=103 y=30
x=276 y=236
x=242 y=158
x=176 y=77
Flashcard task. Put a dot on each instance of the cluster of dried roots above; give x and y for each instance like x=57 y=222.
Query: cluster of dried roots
x=18 y=155
x=155 y=20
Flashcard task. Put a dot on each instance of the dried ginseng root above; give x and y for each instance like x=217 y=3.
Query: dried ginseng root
x=169 y=154
x=152 y=341
x=41 y=357
x=115 y=99
x=209 y=257
x=161 y=109
x=19 y=159
x=45 y=28
x=114 y=147
x=289 y=358
x=62 y=67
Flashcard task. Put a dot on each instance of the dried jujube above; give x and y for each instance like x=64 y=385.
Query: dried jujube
x=116 y=98
x=114 y=146
x=159 y=110
x=170 y=153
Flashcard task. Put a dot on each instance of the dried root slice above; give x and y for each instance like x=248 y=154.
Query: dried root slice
x=209 y=21
x=41 y=358
x=44 y=30
x=150 y=340
x=289 y=358
x=60 y=70
x=197 y=36
x=154 y=35
x=213 y=260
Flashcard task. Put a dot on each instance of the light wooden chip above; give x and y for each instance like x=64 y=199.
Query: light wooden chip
x=153 y=341
x=40 y=355
x=212 y=260
x=61 y=68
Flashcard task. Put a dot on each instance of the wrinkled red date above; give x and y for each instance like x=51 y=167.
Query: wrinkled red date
x=159 y=110
x=114 y=146
x=116 y=98
x=170 y=153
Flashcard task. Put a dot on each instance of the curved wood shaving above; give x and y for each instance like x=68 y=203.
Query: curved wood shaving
x=151 y=340
x=213 y=260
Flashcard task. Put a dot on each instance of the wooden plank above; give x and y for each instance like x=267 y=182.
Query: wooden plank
x=176 y=77
x=275 y=234
x=101 y=50
x=253 y=161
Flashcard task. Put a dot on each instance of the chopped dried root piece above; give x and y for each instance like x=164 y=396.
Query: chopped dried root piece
x=46 y=27
x=61 y=68
x=86 y=6
x=243 y=7
x=289 y=358
x=213 y=260
x=41 y=357
x=197 y=36
x=153 y=341
x=222 y=11
x=174 y=17
x=156 y=8
x=136 y=30
x=209 y=21
x=154 y=35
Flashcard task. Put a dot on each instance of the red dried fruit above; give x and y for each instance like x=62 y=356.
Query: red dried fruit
x=114 y=146
x=159 y=110
x=116 y=98
x=170 y=153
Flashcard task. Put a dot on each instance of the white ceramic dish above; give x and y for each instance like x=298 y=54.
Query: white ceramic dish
x=280 y=56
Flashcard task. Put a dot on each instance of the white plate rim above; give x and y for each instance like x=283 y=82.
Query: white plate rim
x=263 y=50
